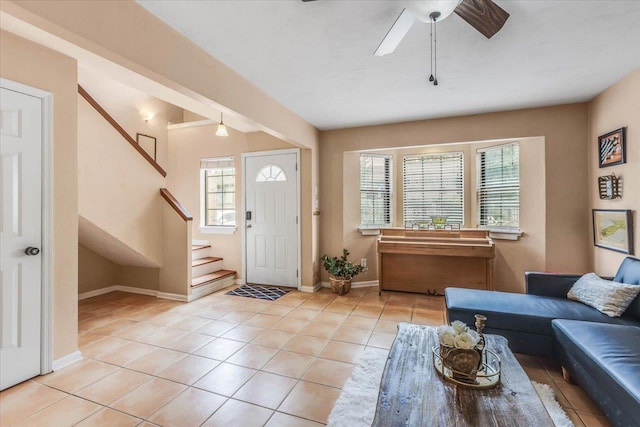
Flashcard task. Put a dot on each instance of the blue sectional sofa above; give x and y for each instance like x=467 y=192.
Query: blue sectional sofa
x=601 y=353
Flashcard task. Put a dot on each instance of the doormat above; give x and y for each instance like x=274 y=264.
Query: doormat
x=270 y=293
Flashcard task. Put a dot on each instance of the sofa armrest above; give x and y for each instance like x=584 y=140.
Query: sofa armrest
x=549 y=284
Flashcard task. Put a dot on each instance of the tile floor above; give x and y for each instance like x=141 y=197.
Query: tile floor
x=230 y=361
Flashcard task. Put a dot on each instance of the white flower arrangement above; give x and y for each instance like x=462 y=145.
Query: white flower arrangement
x=458 y=335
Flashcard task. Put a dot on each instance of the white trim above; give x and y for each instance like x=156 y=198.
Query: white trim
x=200 y=242
x=67 y=360
x=369 y=231
x=505 y=234
x=299 y=202
x=240 y=281
x=218 y=229
x=196 y=123
x=173 y=297
x=210 y=288
x=363 y=284
x=314 y=288
x=131 y=290
x=97 y=292
x=47 y=255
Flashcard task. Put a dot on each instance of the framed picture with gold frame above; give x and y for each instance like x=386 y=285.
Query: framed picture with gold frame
x=613 y=229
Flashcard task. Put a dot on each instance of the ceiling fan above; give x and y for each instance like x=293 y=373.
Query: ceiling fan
x=483 y=15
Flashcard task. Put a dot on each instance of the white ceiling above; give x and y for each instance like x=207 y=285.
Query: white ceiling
x=316 y=58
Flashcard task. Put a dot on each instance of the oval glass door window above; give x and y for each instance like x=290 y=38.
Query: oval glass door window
x=271 y=173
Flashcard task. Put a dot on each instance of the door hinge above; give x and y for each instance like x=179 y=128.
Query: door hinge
x=296 y=166
x=296 y=219
x=296 y=273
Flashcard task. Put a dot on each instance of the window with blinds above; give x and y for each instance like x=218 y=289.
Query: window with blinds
x=375 y=190
x=499 y=186
x=218 y=198
x=433 y=185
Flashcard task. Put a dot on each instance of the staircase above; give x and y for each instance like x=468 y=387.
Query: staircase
x=207 y=273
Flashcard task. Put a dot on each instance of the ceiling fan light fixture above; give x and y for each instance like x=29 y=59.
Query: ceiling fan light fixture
x=222 y=129
x=424 y=9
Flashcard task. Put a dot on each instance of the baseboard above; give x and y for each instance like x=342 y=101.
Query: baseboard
x=210 y=288
x=132 y=290
x=200 y=242
x=311 y=289
x=240 y=281
x=364 y=284
x=67 y=360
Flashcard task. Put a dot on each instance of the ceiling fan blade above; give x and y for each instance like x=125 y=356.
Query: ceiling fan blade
x=483 y=15
x=396 y=33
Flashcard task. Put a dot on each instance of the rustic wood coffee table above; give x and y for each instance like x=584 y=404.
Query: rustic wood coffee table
x=412 y=392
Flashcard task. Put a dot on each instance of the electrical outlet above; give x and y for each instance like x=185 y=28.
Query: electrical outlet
x=363 y=262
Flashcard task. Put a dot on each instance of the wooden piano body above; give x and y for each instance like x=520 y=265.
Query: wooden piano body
x=428 y=261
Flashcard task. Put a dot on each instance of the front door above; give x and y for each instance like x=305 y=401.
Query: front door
x=20 y=236
x=271 y=218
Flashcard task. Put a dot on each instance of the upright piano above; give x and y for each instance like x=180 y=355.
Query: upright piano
x=428 y=261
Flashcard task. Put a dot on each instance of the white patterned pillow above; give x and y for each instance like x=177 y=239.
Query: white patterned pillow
x=610 y=298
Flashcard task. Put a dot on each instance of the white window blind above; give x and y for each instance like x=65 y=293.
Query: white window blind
x=218 y=191
x=499 y=186
x=375 y=190
x=433 y=186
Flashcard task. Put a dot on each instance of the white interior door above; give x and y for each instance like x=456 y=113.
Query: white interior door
x=271 y=219
x=20 y=236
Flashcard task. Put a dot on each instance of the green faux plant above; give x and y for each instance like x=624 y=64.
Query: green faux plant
x=340 y=267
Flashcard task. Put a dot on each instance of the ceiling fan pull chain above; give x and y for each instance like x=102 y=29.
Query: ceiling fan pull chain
x=435 y=52
x=431 y=49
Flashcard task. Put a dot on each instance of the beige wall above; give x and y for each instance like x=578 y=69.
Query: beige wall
x=118 y=190
x=562 y=171
x=33 y=65
x=94 y=271
x=513 y=258
x=614 y=108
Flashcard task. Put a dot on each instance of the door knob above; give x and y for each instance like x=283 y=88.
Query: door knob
x=31 y=251
x=248 y=225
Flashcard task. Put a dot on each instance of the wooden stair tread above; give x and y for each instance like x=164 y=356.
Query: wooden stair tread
x=196 y=247
x=205 y=260
x=211 y=277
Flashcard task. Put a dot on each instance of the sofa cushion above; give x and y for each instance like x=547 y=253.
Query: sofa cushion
x=522 y=312
x=610 y=298
x=606 y=359
x=629 y=272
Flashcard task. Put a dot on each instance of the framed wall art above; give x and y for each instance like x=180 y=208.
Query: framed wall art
x=611 y=148
x=148 y=144
x=613 y=229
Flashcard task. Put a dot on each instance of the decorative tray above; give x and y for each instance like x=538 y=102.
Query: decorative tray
x=488 y=376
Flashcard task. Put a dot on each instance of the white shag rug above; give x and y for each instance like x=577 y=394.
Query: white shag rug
x=356 y=406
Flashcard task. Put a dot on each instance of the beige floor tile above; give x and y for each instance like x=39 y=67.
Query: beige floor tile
x=114 y=327
x=360 y=322
x=553 y=367
x=127 y=353
x=284 y=420
x=287 y=324
x=352 y=335
x=390 y=326
x=148 y=398
x=25 y=399
x=252 y=356
x=164 y=337
x=342 y=351
x=166 y=319
x=243 y=333
x=315 y=304
x=367 y=311
x=214 y=313
x=266 y=389
x=237 y=316
x=273 y=339
x=65 y=412
x=288 y=364
x=137 y=331
x=225 y=379
x=191 y=408
x=188 y=370
x=403 y=314
x=311 y=401
x=86 y=338
x=381 y=339
x=113 y=387
x=262 y=320
x=77 y=376
x=577 y=398
x=236 y=413
x=216 y=328
x=107 y=345
x=107 y=417
x=277 y=310
x=220 y=348
x=340 y=307
x=303 y=314
x=328 y=372
x=320 y=330
x=190 y=342
x=306 y=345
x=156 y=361
x=593 y=420
x=96 y=322
x=191 y=323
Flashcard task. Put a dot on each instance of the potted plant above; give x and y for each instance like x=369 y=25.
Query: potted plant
x=341 y=272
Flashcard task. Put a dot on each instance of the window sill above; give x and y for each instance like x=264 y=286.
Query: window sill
x=365 y=231
x=505 y=234
x=218 y=229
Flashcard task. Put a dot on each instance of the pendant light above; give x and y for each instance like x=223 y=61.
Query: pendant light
x=222 y=129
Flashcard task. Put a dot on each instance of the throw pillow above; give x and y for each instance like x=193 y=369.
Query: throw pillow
x=610 y=298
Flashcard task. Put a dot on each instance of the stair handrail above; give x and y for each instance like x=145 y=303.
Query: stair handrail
x=120 y=129
x=176 y=205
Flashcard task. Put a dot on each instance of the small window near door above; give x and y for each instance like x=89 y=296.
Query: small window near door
x=271 y=173
x=218 y=194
